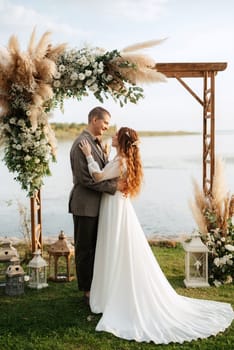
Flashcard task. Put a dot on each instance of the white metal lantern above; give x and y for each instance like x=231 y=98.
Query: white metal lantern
x=14 y=278
x=37 y=271
x=196 y=262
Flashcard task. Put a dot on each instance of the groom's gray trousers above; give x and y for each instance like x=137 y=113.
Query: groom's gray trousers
x=85 y=237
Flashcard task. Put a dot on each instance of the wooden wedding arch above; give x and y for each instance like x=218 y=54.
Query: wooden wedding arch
x=207 y=72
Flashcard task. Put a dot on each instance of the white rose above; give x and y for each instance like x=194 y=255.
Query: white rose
x=21 y=122
x=217 y=283
x=88 y=73
x=37 y=160
x=74 y=76
x=18 y=147
x=57 y=83
x=229 y=247
x=57 y=75
x=223 y=239
x=86 y=63
x=94 y=87
x=109 y=77
x=26 y=158
x=12 y=121
x=223 y=260
x=216 y=262
x=81 y=76
x=61 y=68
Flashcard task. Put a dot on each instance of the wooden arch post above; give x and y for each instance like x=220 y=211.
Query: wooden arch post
x=206 y=71
x=36 y=221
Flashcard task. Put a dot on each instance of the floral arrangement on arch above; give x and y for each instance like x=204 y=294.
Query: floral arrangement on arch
x=214 y=215
x=34 y=82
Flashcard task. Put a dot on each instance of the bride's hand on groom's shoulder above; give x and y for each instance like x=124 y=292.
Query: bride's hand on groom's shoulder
x=85 y=147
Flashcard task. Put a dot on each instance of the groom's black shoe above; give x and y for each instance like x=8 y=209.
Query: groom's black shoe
x=86 y=300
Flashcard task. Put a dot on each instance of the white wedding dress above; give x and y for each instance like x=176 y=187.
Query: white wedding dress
x=131 y=291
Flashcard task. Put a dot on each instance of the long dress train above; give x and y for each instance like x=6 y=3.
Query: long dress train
x=131 y=291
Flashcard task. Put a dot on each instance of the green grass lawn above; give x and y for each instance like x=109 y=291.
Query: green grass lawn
x=56 y=317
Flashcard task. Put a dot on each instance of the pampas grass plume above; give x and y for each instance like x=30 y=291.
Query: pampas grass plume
x=219 y=188
x=142 y=45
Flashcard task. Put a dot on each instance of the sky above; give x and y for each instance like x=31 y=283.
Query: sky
x=196 y=31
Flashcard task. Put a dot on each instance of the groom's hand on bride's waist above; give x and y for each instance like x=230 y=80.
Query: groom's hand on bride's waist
x=121 y=185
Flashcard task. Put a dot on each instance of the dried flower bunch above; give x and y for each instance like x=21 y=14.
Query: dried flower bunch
x=214 y=216
x=34 y=82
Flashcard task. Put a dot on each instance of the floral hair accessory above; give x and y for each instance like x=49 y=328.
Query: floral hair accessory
x=136 y=143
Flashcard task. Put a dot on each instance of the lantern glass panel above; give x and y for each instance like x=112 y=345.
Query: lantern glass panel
x=41 y=274
x=197 y=266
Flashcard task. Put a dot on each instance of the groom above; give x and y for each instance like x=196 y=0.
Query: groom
x=85 y=196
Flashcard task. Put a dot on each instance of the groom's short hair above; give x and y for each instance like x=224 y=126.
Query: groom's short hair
x=97 y=112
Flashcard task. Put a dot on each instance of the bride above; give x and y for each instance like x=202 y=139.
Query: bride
x=129 y=288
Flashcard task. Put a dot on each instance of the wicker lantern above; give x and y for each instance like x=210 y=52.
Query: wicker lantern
x=60 y=255
x=196 y=263
x=7 y=251
x=14 y=278
x=37 y=271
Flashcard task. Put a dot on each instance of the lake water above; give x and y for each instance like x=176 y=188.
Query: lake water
x=162 y=207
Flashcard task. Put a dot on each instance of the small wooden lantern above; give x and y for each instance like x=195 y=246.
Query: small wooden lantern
x=196 y=263
x=7 y=252
x=37 y=271
x=14 y=278
x=58 y=250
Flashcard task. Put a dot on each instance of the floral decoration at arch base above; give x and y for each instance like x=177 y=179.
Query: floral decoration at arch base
x=34 y=82
x=214 y=215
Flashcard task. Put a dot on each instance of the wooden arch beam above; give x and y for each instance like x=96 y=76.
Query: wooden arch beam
x=206 y=71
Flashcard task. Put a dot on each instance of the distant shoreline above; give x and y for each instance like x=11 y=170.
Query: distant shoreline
x=167 y=133
x=68 y=131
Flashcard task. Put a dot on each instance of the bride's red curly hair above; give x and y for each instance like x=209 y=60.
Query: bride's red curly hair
x=128 y=145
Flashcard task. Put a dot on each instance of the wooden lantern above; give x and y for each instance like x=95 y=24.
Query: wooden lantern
x=196 y=263
x=60 y=255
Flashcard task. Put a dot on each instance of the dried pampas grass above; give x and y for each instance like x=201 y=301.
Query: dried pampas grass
x=198 y=217
x=142 y=45
x=141 y=67
x=219 y=188
x=219 y=203
x=198 y=206
x=4 y=108
x=31 y=72
x=142 y=71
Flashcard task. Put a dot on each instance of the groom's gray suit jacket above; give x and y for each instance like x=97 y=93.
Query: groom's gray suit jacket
x=85 y=195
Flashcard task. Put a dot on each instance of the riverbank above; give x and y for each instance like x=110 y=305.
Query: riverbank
x=154 y=241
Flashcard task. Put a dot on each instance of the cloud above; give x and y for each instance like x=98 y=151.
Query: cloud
x=19 y=19
x=139 y=10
